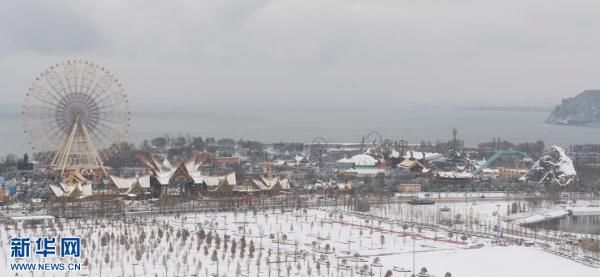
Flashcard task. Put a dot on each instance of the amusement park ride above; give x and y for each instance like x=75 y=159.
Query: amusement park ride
x=498 y=155
x=318 y=153
x=73 y=109
x=478 y=170
x=318 y=148
x=371 y=137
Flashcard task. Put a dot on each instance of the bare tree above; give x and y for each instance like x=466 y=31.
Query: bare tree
x=251 y=249
x=233 y=247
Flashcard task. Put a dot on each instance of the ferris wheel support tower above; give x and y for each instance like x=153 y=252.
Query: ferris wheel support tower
x=68 y=158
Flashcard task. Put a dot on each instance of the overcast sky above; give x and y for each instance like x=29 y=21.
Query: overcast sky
x=312 y=52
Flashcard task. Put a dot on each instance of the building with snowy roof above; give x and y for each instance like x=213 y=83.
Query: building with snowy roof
x=421 y=156
x=452 y=177
x=187 y=179
x=137 y=187
x=74 y=187
x=264 y=185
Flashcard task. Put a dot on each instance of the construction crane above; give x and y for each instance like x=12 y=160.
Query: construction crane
x=498 y=155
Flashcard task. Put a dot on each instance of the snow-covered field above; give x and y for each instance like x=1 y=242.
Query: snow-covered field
x=293 y=243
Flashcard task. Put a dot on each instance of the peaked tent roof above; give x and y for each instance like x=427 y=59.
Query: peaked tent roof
x=122 y=183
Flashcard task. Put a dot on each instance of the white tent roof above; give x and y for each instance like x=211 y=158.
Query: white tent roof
x=363 y=160
x=345 y=161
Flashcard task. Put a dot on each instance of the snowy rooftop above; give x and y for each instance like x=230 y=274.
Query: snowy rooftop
x=363 y=160
x=454 y=175
x=421 y=155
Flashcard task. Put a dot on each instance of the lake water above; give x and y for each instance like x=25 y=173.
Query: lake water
x=339 y=124
x=586 y=224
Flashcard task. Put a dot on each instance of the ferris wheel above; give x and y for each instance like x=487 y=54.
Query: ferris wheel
x=75 y=108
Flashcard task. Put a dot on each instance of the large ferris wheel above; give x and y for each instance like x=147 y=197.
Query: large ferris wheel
x=75 y=108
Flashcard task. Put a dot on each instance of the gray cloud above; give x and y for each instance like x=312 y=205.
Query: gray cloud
x=45 y=28
x=307 y=52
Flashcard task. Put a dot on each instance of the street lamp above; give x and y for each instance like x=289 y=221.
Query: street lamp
x=498 y=222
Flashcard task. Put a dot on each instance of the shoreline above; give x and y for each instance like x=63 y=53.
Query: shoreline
x=548 y=214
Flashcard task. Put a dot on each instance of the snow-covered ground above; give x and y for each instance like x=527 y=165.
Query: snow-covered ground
x=515 y=261
x=309 y=243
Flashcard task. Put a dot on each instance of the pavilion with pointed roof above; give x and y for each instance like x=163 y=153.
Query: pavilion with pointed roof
x=187 y=179
x=74 y=187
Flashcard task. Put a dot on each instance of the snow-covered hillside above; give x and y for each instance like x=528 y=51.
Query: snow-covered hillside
x=583 y=109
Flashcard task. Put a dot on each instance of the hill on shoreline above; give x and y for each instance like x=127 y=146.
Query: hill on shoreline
x=581 y=110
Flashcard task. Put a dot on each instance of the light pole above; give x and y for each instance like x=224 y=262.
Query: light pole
x=498 y=222
x=413 y=264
